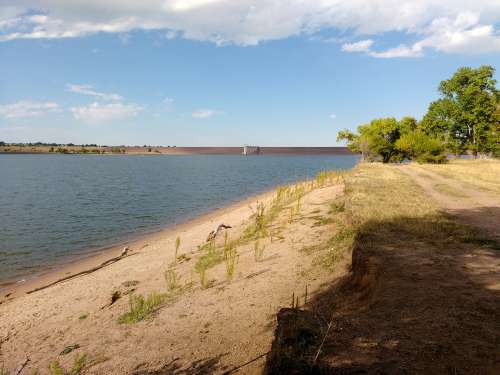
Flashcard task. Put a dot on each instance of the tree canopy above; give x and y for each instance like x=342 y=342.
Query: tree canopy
x=465 y=118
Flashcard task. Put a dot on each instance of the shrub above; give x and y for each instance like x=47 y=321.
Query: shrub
x=434 y=159
x=418 y=145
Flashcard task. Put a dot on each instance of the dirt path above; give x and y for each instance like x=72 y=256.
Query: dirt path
x=463 y=202
x=419 y=299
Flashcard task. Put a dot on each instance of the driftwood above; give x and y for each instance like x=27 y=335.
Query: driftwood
x=213 y=234
x=86 y=272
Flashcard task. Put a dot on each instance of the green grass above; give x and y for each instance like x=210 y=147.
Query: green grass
x=212 y=258
x=80 y=363
x=230 y=258
x=258 y=251
x=177 y=245
x=141 y=308
x=172 y=278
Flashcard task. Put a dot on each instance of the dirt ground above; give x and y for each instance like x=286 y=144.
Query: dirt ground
x=421 y=297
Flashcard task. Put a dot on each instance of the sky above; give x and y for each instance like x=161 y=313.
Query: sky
x=228 y=72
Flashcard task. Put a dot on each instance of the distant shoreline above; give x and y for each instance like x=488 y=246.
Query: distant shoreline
x=163 y=150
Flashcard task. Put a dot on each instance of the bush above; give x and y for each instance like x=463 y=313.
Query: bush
x=416 y=145
x=434 y=159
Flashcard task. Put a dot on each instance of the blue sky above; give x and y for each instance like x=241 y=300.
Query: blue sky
x=205 y=72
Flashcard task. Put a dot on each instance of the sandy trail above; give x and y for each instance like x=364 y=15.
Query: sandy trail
x=465 y=203
x=202 y=330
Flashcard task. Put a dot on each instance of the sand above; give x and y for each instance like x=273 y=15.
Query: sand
x=203 y=329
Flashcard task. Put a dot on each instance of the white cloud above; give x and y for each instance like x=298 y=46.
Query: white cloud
x=170 y=34
x=28 y=109
x=168 y=103
x=442 y=25
x=361 y=46
x=97 y=112
x=399 y=51
x=89 y=90
x=462 y=34
x=333 y=116
x=205 y=113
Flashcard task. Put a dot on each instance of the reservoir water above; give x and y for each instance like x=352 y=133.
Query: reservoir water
x=53 y=207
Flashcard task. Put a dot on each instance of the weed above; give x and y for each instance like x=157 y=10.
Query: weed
x=141 y=308
x=172 y=279
x=79 y=364
x=56 y=369
x=231 y=258
x=83 y=316
x=177 y=245
x=258 y=251
x=297 y=205
x=203 y=278
x=336 y=207
x=209 y=260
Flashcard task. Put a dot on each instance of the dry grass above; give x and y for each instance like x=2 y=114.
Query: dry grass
x=481 y=174
x=387 y=208
x=449 y=190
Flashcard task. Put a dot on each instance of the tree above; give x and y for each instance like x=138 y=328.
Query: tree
x=465 y=117
x=377 y=140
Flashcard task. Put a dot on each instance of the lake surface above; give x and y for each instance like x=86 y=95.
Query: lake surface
x=54 y=207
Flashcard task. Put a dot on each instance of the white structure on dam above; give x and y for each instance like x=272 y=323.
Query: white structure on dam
x=251 y=150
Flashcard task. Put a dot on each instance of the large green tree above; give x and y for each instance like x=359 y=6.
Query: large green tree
x=464 y=118
x=377 y=140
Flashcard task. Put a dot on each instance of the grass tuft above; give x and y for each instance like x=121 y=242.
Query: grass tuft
x=172 y=278
x=141 y=308
x=258 y=251
x=79 y=365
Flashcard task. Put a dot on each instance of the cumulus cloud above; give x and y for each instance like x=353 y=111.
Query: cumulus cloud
x=451 y=26
x=205 y=113
x=361 y=46
x=27 y=109
x=89 y=90
x=98 y=112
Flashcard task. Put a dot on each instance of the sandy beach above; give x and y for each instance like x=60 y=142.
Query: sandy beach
x=216 y=326
x=68 y=267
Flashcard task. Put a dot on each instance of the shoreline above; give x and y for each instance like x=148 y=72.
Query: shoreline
x=165 y=150
x=139 y=241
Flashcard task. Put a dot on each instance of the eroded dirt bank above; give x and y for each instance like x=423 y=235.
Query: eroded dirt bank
x=423 y=294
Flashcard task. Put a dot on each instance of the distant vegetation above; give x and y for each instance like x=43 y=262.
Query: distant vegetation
x=465 y=119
